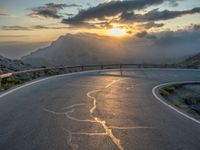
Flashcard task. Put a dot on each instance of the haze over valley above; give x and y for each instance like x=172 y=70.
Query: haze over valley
x=84 y=48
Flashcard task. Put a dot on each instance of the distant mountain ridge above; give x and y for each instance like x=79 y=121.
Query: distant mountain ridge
x=76 y=50
x=8 y=65
x=85 y=48
x=192 y=61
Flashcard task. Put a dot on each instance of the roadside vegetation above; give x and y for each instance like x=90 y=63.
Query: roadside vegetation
x=167 y=90
x=184 y=96
x=10 y=83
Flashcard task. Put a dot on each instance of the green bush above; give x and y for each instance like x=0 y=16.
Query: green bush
x=177 y=103
x=10 y=83
x=170 y=89
x=163 y=92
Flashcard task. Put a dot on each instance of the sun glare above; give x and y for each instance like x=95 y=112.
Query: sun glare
x=117 y=32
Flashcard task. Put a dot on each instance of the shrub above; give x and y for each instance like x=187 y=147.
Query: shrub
x=170 y=89
x=177 y=103
x=163 y=92
x=10 y=83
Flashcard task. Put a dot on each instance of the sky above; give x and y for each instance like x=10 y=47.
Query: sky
x=41 y=21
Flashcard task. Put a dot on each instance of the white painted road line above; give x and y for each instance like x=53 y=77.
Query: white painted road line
x=47 y=78
x=40 y=80
x=170 y=106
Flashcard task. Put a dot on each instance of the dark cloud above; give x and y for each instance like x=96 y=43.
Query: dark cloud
x=47 y=27
x=108 y=9
x=125 y=10
x=165 y=38
x=178 y=37
x=107 y=24
x=141 y=34
x=145 y=34
x=152 y=24
x=15 y=28
x=156 y=15
x=50 y=10
x=31 y=27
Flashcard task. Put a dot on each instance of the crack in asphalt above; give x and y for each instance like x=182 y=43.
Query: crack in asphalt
x=108 y=129
x=126 y=128
x=69 y=140
x=72 y=106
x=75 y=119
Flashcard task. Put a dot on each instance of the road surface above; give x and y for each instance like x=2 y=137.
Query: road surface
x=105 y=110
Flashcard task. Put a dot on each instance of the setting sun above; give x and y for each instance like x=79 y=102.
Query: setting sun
x=117 y=32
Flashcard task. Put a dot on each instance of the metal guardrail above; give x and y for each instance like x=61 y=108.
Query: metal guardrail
x=85 y=67
x=82 y=68
x=69 y=69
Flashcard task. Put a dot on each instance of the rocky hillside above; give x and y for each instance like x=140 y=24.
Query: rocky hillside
x=193 y=61
x=8 y=65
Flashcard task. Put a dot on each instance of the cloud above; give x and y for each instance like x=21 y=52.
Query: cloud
x=178 y=37
x=3 y=12
x=165 y=45
x=124 y=12
x=73 y=5
x=141 y=34
x=156 y=15
x=152 y=24
x=31 y=27
x=47 y=27
x=145 y=34
x=69 y=14
x=194 y=27
x=173 y=3
x=187 y=36
x=12 y=36
x=108 y=9
x=50 y=10
x=15 y=28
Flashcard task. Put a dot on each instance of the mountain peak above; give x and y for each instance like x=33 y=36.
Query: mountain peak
x=86 y=48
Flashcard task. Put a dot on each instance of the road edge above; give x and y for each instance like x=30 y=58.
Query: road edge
x=155 y=92
x=43 y=79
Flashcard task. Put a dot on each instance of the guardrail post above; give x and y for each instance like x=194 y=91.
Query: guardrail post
x=0 y=83
x=120 y=66
x=82 y=68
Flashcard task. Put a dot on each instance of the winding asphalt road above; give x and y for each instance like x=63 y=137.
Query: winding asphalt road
x=103 y=110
